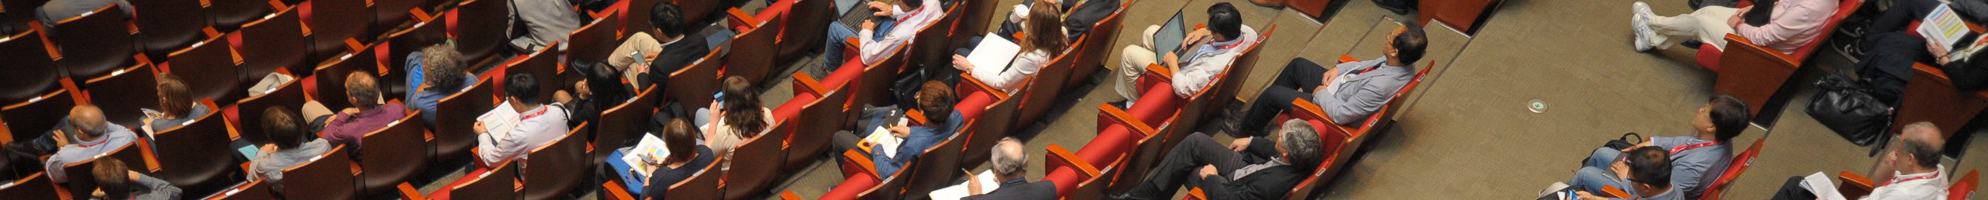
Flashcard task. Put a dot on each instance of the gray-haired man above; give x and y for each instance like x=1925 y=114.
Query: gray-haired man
x=1010 y=165
x=1249 y=168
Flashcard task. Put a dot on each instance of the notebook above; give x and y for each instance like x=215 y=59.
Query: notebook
x=1170 y=36
x=649 y=150
x=987 y=184
x=1943 y=26
x=993 y=51
x=499 y=122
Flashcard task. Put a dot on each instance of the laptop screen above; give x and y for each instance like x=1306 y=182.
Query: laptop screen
x=1170 y=35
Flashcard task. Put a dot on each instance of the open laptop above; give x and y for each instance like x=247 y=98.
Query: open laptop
x=1169 y=37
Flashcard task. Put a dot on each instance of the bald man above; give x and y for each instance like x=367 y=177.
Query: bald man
x=93 y=135
x=1010 y=165
x=1910 y=171
x=365 y=115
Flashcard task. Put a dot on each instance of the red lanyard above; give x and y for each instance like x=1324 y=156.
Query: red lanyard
x=1692 y=146
x=914 y=14
x=1936 y=174
x=541 y=111
x=100 y=141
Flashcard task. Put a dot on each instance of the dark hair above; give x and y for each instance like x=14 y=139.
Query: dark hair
x=679 y=137
x=442 y=66
x=742 y=107
x=522 y=86
x=1924 y=153
x=1411 y=44
x=1045 y=29
x=936 y=99
x=1729 y=116
x=666 y=17
x=282 y=127
x=362 y=87
x=1224 y=19
x=1649 y=165
x=175 y=98
x=604 y=81
x=112 y=177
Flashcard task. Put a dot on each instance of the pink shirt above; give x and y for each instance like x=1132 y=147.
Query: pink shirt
x=1795 y=23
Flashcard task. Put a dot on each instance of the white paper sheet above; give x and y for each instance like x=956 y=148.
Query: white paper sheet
x=993 y=51
x=987 y=184
x=884 y=141
x=1943 y=26
x=1819 y=184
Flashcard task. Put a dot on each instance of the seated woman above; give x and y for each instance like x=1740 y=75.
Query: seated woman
x=1044 y=41
x=686 y=159
x=738 y=114
x=176 y=105
x=602 y=89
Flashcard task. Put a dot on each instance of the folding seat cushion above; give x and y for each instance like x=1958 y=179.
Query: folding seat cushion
x=328 y=176
x=190 y=155
x=30 y=70
x=1964 y=188
x=94 y=44
x=385 y=158
x=27 y=120
x=168 y=25
x=271 y=43
x=228 y=15
x=209 y=69
x=557 y=168
x=122 y=93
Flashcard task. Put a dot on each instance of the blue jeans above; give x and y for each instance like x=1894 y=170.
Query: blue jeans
x=837 y=31
x=1594 y=172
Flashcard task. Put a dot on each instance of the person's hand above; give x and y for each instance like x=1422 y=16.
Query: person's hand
x=900 y=131
x=268 y=148
x=882 y=9
x=61 y=137
x=972 y=185
x=1737 y=17
x=1171 y=60
x=1194 y=37
x=650 y=56
x=869 y=25
x=1208 y=170
x=1620 y=168
x=1239 y=144
x=961 y=63
x=133 y=175
x=1645 y=143
x=478 y=128
x=580 y=89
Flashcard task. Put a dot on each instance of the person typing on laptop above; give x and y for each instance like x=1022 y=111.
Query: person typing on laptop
x=1207 y=52
x=891 y=28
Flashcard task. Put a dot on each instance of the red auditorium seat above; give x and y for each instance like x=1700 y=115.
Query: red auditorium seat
x=424 y=32
x=989 y=107
x=189 y=161
x=1082 y=177
x=168 y=25
x=1039 y=95
x=752 y=49
x=33 y=186
x=460 y=110
x=1216 y=94
x=271 y=43
x=974 y=17
x=1856 y=186
x=928 y=54
x=1310 y=8
x=227 y=15
x=1344 y=140
x=20 y=23
x=27 y=120
x=755 y=164
x=390 y=14
x=210 y=70
x=695 y=11
x=542 y=65
x=1463 y=15
x=95 y=44
x=701 y=185
x=596 y=41
x=478 y=28
x=82 y=182
x=694 y=84
x=937 y=166
x=500 y=183
x=1757 y=72
x=31 y=69
x=1739 y=165
x=1146 y=152
x=1093 y=48
x=1932 y=97
x=331 y=22
x=556 y=168
x=329 y=78
x=636 y=19
x=384 y=157
x=329 y=176
x=863 y=181
x=823 y=117
x=623 y=123
x=251 y=190
x=1964 y=188
x=121 y=93
x=805 y=29
x=288 y=96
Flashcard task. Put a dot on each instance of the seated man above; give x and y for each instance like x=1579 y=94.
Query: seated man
x=1792 y=24
x=288 y=146
x=537 y=123
x=545 y=22
x=675 y=50
x=1648 y=168
x=1910 y=171
x=1348 y=92
x=439 y=71
x=1245 y=169
x=935 y=97
x=1696 y=160
x=881 y=35
x=94 y=137
x=366 y=114
x=115 y=181
x=1209 y=52
x=1010 y=166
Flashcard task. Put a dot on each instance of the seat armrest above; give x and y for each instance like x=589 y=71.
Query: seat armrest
x=614 y=191
x=408 y=192
x=1060 y=157
x=1111 y=115
x=741 y=19
x=1155 y=74
x=1346 y=58
x=1196 y=194
x=789 y=195
x=1854 y=186
x=808 y=85
x=1611 y=191
x=852 y=47
x=917 y=117
x=858 y=163
x=151 y=158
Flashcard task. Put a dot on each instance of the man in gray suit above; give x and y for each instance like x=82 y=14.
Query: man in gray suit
x=1348 y=93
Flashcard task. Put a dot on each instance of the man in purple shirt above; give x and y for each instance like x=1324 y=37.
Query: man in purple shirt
x=365 y=116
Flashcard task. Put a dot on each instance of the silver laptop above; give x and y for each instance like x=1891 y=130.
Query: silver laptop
x=1169 y=37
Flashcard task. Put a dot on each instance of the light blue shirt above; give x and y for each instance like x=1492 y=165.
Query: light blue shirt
x=1692 y=170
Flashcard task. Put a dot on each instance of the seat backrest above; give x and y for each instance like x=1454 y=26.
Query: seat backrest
x=993 y=118
x=498 y=183
x=820 y=120
x=701 y=185
x=28 y=120
x=636 y=19
x=230 y=14
x=937 y=167
x=328 y=176
x=385 y=158
x=272 y=43
x=25 y=7
x=423 y=33
x=95 y=43
x=209 y=69
x=81 y=179
x=191 y=150
x=891 y=188
x=876 y=81
x=694 y=84
x=543 y=65
x=387 y=14
x=594 y=42
x=623 y=123
x=167 y=25
x=121 y=93
x=1739 y=165
x=1145 y=152
x=806 y=25
x=30 y=70
x=1093 y=48
x=554 y=169
x=752 y=53
x=33 y=186
x=333 y=21
x=696 y=10
x=1964 y=188
x=331 y=78
x=460 y=110
x=1043 y=88
x=251 y=190
x=288 y=96
x=928 y=46
x=479 y=26
x=755 y=164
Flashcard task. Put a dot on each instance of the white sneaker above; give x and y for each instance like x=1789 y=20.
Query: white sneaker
x=1640 y=23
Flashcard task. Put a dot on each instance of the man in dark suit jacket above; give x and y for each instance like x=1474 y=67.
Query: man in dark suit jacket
x=682 y=49
x=1248 y=168
x=1077 y=21
x=1010 y=165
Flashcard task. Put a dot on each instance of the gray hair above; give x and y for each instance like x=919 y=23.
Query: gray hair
x=1301 y=142
x=1005 y=164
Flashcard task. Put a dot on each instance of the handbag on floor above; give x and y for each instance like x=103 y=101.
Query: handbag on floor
x=1847 y=107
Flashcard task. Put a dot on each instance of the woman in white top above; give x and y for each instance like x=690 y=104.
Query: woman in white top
x=1045 y=39
x=738 y=118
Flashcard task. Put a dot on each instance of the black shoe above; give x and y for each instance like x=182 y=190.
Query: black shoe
x=1692 y=43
